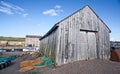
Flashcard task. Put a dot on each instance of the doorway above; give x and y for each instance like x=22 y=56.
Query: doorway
x=88 y=45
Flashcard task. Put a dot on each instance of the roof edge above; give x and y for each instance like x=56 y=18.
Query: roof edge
x=99 y=18
x=56 y=25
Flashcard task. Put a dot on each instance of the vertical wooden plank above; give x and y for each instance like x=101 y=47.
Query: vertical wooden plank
x=91 y=45
x=83 y=46
x=58 y=47
x=69 y=41
x=66 y=41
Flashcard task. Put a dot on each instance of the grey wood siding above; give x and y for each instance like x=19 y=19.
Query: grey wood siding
x=104 y=41
x=81 y=36
x=48 y=45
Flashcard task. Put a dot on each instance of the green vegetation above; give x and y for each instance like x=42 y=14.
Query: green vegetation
x=11 y=39
x=14 y=45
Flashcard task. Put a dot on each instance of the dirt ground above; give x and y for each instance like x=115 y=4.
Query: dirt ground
x=79 y=67
x=87 y=67
x=13 y=69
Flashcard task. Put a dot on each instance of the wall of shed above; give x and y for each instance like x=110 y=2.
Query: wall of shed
x=81 y=36
x=103 y=41
x=72 y=45
x=48 y=45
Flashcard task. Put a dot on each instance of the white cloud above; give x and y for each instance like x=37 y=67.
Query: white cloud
x=53 y=12
x=5 y=4
x=59 y=11
x=25 y=15
x=5 y=10
x=9 y=8
x=58 y=6
x=18 y=8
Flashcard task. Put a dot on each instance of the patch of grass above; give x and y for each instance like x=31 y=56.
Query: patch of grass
x=11 y=39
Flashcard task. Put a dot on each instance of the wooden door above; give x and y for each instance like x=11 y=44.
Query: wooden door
x=91 y=37
x=83 y=49
x=87 y=45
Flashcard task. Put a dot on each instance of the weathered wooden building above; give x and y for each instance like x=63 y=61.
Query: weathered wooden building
x=80 y=36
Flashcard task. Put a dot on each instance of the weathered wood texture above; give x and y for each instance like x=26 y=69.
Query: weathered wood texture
x=48 y=45
x=81 y=36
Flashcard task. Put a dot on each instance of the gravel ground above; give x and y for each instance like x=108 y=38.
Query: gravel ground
x=79 y=67
x=13 y=69
x=87 y=67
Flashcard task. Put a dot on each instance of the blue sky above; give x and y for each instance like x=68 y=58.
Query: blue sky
x=35 y=17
